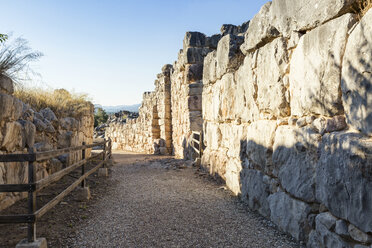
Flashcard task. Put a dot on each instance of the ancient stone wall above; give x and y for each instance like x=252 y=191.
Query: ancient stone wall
x=151 y=132
x=22 y=128
x=287 y=111
x=187 y=90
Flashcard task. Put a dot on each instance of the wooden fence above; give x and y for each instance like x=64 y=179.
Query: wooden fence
x=197 y=142
x=33 y=187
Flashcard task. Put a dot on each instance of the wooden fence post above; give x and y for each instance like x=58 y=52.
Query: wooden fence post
x=104 y=150
x=31 y=231
x=83 y=167
x=110 y=147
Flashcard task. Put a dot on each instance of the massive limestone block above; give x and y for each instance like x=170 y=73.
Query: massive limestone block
x=232 y=138
x=49 y=115
x=207 y=98
x=212 y=41
x=28 y=133
x=255 y=191
x=344 y=177
x=290 y=215
x=194 y=39
x=195 y=89
x=232 y=175
x=260 y=30
x=194 y=55
x=322 y=236
x=194 y=72
x=10 y=107
x=227 y=91
x=229 y=56
x=245 y=101
x=209 y=68
x=295 y=158
x=316 y=69
x=301 y=15
x=356 y=80
x=194 y=103
x=6 y=85
x=260 y=139
x=212 y=135
x=12 y=136
x=272 y=64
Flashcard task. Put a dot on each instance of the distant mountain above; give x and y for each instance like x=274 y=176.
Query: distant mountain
x=114 y=109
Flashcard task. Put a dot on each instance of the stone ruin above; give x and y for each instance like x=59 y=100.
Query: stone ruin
x=285 y=106
x=21 y=128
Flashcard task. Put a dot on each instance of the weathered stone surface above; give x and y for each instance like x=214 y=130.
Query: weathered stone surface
x=49 y=115
x=232 y=175
x=194 y=102
x=260 y=30
x=316 y=69
x=65 y=139
x=272 y=64
x=289 y=15
x=6 y=85
x=39 y=124
x=212 y=41
x=6 y=105
x=228 y=56
x=344 y=178
x=358 y=235
x=194 y=39
x=229 y=29
x=290 y=215
x=295 y=157
x=28 y=133
x=342 y=228
x=195 y=55
x=194 y=72
x=69 y=123
x=337 y=123
x=226 y=88
x=255 y=191
x=209 y=68
x=195 y=89
x=323 y=237
x=260 y=139
x=356 y=83
x=327 y=219
x=245 y=107
x=13 y=136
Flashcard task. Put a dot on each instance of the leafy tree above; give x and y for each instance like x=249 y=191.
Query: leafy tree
x=100 y=117
x=3 y=37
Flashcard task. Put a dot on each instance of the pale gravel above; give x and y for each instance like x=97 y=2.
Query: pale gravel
x=166 y=204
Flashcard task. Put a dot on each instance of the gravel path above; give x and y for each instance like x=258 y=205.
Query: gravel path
x=164 y=203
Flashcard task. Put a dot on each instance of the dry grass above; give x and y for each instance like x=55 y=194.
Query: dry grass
x=362 y=7
x=62 y=102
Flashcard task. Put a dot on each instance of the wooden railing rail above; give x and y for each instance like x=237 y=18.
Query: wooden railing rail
x=197 y=142
x=33 y=186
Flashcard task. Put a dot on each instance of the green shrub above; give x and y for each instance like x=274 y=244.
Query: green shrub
x=100 y=117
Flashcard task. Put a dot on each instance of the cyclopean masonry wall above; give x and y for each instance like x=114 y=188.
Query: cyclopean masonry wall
x=151 y=131
x=22 y=128
x=287 y=112
x=284 y=103
x=187 y=90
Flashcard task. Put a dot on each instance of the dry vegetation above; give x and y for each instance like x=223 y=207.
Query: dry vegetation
x=60 y=101
x=362 y=7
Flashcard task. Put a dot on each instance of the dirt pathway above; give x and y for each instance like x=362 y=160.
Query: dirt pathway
x=164 y=203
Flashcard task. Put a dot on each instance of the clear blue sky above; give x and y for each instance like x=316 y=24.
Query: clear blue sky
x=113 y=49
